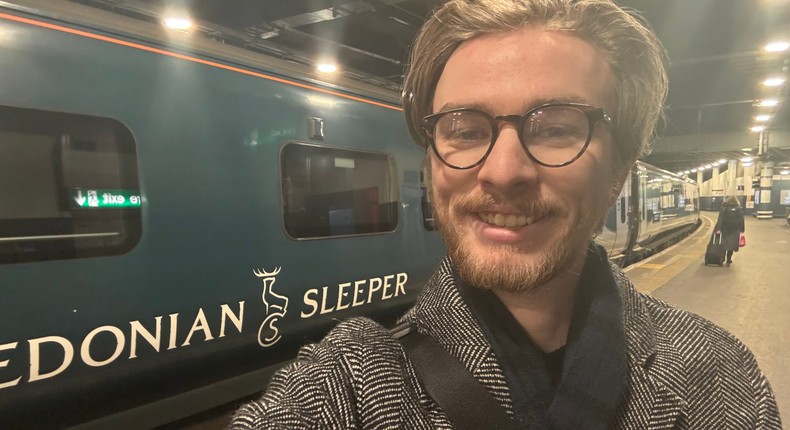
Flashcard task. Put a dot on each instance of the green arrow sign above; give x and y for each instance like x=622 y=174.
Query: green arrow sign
x=104 y=198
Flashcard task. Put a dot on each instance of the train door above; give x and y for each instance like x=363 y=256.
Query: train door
x=622 y=213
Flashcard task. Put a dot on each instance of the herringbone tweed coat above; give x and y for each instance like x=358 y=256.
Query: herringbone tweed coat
x=683 y=372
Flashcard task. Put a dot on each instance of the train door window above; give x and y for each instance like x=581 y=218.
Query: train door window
x=331 y=192
x=68 y=186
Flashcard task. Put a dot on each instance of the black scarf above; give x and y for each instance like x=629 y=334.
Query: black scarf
x=593 y=361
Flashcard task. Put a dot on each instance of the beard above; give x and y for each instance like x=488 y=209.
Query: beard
x=511 y=267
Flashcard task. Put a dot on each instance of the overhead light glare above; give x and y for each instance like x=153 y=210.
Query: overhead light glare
x=178 y=22
x=722 y=161
x=708 y=166
x=774 y=82
x=777 y=46
x=694 y=170
x=762 y=118
x=326 y=68
x=746 y=159
x=785 y=172
x=758 y=128
x=769 y=103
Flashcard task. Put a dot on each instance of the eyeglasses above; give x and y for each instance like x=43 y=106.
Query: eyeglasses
x=553 y=135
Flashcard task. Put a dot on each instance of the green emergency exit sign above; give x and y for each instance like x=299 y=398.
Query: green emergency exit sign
x=104 y=198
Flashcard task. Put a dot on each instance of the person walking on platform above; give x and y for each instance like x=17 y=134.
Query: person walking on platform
x=532 y=113
x=730 y=224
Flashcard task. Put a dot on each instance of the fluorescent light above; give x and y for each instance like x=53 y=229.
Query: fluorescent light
x=747 y=164
x=777 y=46
x=769 y=102
x=785 y=172
x=178 y=22
x=693 y=170
x=762 y=118
x=708 y=166
x=722 y=161
x=774 y=82
x=326 y=68
x=758 y=128
x=746 y=159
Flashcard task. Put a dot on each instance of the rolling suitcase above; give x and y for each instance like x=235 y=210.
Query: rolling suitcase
x=716 y=250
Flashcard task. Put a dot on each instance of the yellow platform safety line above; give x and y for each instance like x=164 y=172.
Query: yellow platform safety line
x=649 y=276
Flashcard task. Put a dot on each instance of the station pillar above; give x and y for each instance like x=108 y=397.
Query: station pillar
x=732 y=177
x=764 y=210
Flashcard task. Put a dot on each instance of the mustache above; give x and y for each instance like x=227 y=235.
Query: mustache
x=481 y=202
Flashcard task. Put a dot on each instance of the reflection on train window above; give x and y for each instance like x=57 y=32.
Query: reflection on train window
x=337 y=192
x=68 y=186
x=428 y=221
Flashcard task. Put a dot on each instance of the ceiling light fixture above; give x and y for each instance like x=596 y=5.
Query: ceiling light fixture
x=785 y=172
x=762 y=118
x=746 y=159
x=774 y=82
x=777 y=46
x=178 y=22
x=758 y=128
x=326 y=68
x=768 y=103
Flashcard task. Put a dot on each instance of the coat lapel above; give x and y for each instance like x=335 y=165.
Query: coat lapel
x=650 y=402
x=441 y=302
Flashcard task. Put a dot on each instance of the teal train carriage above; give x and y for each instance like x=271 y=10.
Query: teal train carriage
x=177 y=216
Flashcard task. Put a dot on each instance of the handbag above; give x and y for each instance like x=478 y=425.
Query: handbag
x=465 y=401
x=742 y=241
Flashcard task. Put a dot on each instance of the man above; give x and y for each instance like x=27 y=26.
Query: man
x=534 y=112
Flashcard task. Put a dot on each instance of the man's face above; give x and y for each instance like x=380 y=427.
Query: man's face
x=511 y=223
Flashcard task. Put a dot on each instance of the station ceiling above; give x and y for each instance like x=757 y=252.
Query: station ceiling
x=715 y=48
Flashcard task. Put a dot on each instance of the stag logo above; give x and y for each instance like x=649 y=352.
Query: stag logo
x=276 y=307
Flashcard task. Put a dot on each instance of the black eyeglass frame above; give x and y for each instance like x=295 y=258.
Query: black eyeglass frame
x=593 y=114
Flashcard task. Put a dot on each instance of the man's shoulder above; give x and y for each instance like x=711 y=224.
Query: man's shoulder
x=688 y=335
x=356 y=333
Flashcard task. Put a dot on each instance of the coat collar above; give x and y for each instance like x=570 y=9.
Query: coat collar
x=441 y=313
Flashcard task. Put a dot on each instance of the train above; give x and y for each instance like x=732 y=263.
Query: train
x=178 y=216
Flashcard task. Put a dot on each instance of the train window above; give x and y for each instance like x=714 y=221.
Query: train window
x=337 y=192
x=68 y=186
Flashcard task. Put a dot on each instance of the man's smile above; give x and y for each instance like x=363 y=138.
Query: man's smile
x=511 y=221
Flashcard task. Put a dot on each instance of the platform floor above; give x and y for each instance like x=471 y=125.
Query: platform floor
x=751 y=298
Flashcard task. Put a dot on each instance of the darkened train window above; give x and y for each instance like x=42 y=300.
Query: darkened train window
x=337 y=192
x=68 y=186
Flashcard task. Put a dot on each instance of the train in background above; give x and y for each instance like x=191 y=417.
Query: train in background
x=178 y=216
x=655 y=209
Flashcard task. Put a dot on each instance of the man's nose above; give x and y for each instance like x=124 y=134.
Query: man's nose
x=508 y=165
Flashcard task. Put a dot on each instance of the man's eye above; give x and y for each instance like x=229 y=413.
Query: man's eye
x=469 y=134
x=557 y=132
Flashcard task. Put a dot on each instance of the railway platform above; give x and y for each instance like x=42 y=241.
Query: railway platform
x=749 y=298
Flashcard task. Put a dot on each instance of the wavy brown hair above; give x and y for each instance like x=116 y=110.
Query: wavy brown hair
x=636 y=56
